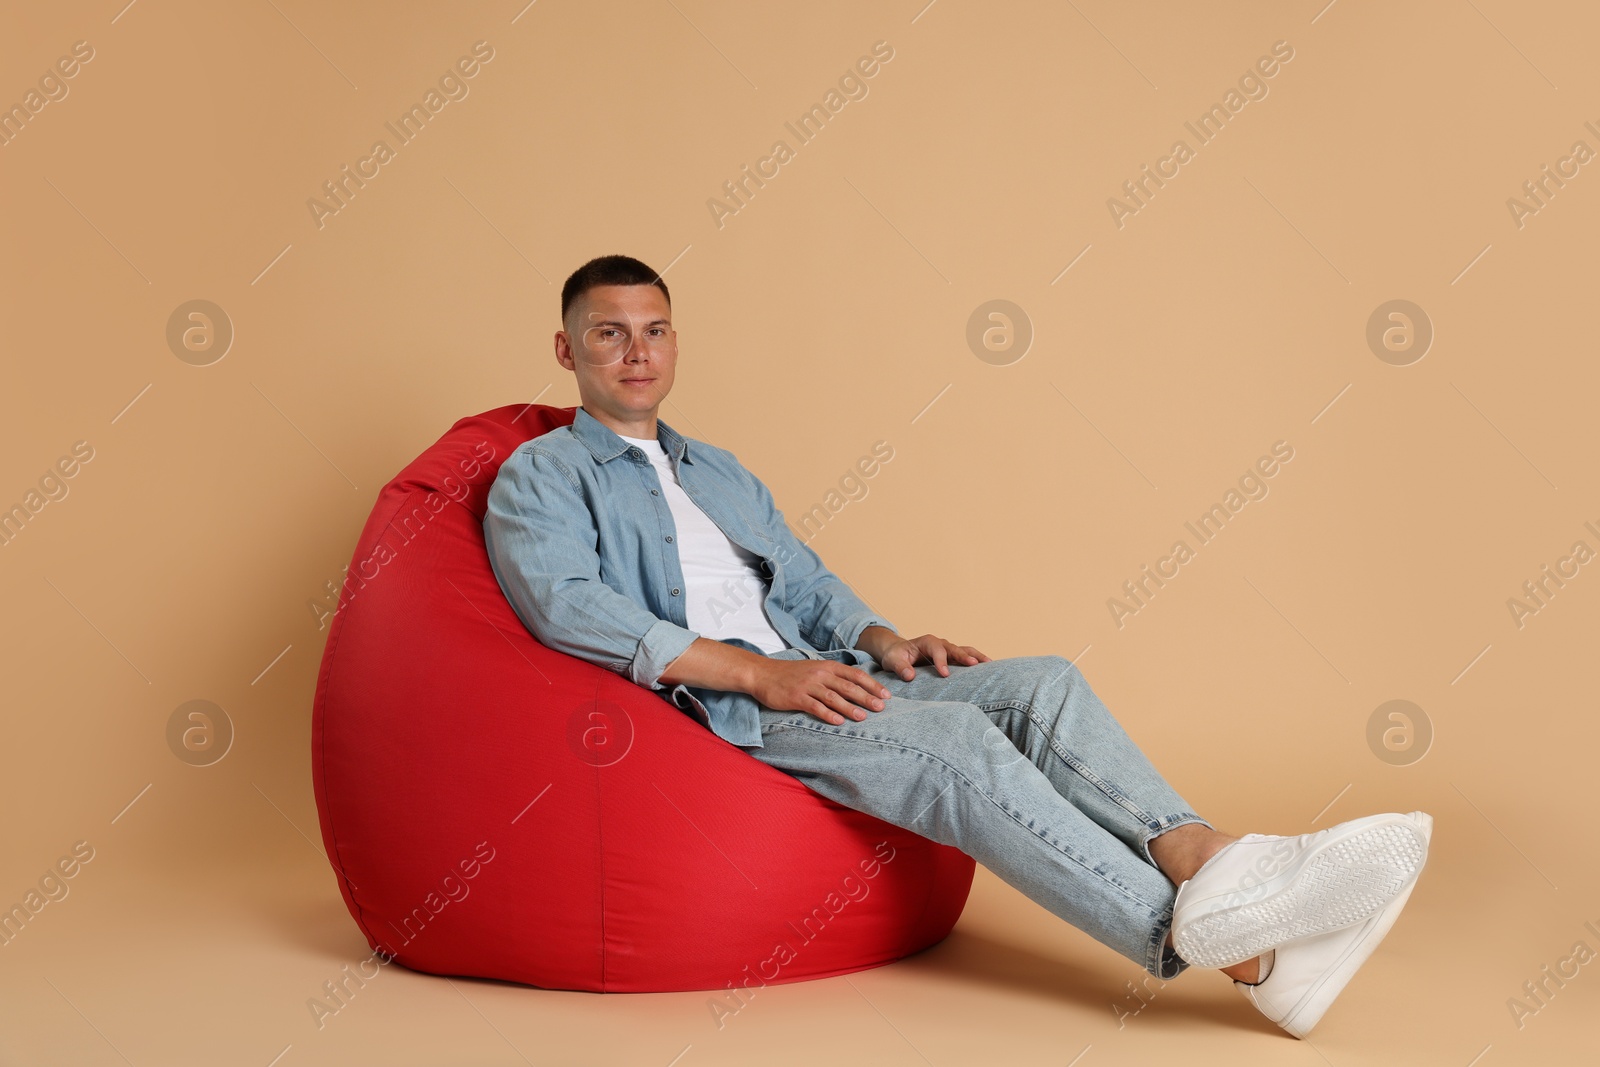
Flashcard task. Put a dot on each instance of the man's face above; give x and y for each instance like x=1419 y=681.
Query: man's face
x=620 y=344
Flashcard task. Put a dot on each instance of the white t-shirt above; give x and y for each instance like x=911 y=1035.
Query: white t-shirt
x=724 y=589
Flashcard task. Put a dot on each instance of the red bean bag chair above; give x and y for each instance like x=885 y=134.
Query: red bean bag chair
x=495 y=808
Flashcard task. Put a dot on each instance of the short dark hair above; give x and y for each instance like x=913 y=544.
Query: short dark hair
x=609 y=270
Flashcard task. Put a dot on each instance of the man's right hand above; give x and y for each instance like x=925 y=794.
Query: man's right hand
x=827 y=690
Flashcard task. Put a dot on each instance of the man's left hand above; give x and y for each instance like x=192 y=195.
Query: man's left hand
x=903 y=654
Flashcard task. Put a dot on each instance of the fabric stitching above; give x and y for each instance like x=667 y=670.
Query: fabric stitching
x=956 y=773
x=1077 y=765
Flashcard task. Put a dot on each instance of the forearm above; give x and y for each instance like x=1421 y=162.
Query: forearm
x=875 y=640
x=715 y=665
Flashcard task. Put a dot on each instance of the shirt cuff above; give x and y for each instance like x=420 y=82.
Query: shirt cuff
x=661 y=644
x=849 y=631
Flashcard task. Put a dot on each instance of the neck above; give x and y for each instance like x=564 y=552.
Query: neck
x=642 y=427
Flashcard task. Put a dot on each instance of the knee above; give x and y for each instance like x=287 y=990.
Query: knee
x=1059 y=664
x=1057 y=671
x=1057 y=684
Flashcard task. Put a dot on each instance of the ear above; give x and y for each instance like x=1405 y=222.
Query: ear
x=563 y=345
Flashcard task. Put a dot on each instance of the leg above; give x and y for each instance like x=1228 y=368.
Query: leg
x=931 y=767
x=1063 y=806
x=1048 y=714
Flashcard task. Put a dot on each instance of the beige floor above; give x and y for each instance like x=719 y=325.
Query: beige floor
x=205 y=958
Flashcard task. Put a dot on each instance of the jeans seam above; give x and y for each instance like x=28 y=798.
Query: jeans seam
x=1155 y=916
x=1158 y=953
x=1082 y=770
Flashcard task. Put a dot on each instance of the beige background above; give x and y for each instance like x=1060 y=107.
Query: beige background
x=1228 y=314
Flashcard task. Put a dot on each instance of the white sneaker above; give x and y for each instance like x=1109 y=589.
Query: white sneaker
x=1262 y=891
x=1307 y=974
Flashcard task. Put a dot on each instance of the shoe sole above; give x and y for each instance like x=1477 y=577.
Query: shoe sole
x=1344 y=882
x=1301 y=1017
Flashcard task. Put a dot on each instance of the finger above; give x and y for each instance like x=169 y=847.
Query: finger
x=837 y=702
x=862 y=690
x=913 y=656
x=863 y=679
x=859 y=695
x=937 y=655
x=821 y=711
x=972 y=655
x=898 y=660
x=959 y=653
x=868 y=682
x=859 y=688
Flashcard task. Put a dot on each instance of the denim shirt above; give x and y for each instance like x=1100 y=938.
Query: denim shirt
x=583 y=545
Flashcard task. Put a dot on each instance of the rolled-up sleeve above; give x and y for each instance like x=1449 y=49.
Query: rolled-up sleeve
x=827 y=611
x=543 y=547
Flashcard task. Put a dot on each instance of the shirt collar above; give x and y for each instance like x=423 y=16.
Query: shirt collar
x=605 y=445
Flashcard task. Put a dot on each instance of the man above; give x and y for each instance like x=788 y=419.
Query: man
x=622 y=542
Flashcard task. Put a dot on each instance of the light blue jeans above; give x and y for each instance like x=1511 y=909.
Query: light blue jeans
x=1018 y=764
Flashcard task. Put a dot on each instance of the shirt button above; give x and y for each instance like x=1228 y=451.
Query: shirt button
x=635 y=453
x=669 y=539
x=674 y=592
x=655 y=492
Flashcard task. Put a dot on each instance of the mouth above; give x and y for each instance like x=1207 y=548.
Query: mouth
x=637 y=381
